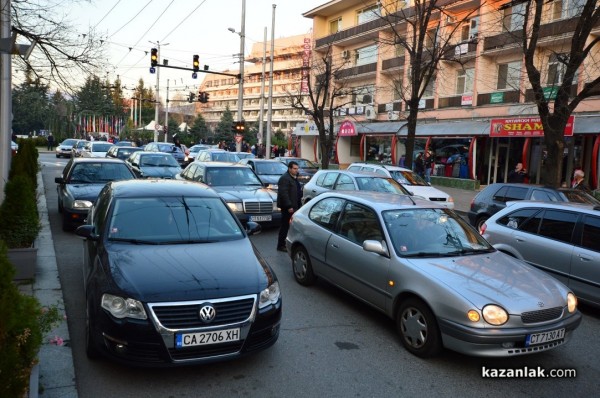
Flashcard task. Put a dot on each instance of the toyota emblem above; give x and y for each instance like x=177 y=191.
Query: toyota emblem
x=207 y=313
x=540 y=303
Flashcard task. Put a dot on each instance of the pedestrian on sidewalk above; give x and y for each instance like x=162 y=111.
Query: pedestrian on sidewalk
x=50 y=142
x=578 y=182
x=289 y=194
x=518 y=174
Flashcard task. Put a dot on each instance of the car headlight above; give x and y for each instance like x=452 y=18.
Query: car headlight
x=450 y=199
x=494 y=315
x=120 y=307
x=82 y=204
x=571 y=302
x=236 y=206
x=269 y=296
x=274 y=187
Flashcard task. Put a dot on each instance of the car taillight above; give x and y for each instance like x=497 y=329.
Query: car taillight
x=482 y=229
x=472 y=204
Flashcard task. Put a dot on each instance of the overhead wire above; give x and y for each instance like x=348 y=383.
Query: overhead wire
x=105 y=15
x=189 y=15
x=135 y=16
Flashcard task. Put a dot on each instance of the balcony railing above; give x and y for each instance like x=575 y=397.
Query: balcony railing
x=392 y=63
x=356 y=70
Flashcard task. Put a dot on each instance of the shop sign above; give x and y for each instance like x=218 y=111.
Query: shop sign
x=347 y=129
x=466 y=100
x=550 y=93
x=305 y=65
x=524 y=127
x=497 y=98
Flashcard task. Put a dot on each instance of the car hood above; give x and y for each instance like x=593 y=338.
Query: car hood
x=85 y=191
x=269 y=178
x=239 y=193
x=160 y=172
x=496 y=278
x=153 y=273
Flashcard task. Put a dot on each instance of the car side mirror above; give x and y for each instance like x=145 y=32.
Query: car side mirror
x=87 y=232
x=59 y=180
x=376 y=246
x=253 y=228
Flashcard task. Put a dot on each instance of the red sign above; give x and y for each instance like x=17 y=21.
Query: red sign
x=305 y=65
x=347 y=129
x=524 y=127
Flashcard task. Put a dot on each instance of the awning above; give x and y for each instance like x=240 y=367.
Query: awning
x=436 y=129
x=587 y=124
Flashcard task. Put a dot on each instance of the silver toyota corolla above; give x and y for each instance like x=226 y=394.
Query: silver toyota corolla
x=431 y=272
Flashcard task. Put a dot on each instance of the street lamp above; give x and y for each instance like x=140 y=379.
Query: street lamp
x=242 y=34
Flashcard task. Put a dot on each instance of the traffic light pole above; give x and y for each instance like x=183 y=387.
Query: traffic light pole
x=165 y=126
x=203 y=71
x=238 y=145
x=157 y=102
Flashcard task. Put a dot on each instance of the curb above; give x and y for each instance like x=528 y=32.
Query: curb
x=56 y=369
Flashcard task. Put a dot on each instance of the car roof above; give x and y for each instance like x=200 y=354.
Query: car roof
x=381 y=166
x=380 y=200
x=96 y=160
x=221 y=164
x=353 y=173
x=550 y=205
x=138 y=188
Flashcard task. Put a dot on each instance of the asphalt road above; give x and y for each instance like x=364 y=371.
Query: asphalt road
x=331 y=345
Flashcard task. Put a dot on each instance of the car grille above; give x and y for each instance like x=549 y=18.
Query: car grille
x=258 y=207
x=437 y=199
x=542 y=315
x=205 y=351
x=186 y=316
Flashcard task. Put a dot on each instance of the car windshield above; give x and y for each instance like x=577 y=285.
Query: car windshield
x=158 y=160
x=81 y=144
x=380 y=185
x=172 y=220
x=408 y=178
x=69 y=142
x=99 y=173
x=225 y=176
x=123 y=153
x=197 y=148
x=432 y=233
x=270 y=168
x=579 y=196
x=305 y=164
x=245 y=155
x=224 y=157
x=101 y=147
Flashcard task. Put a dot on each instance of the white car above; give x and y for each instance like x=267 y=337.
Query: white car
x=409 y=179
x=96 y=149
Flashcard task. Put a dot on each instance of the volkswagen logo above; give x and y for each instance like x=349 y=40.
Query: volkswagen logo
x=207 y=313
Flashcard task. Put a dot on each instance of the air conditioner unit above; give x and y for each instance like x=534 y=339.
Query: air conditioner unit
x=345 y=54
x=450 y=19
x=370 y=113
x=393 y=115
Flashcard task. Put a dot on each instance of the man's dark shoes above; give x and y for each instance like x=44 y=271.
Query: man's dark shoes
x=281 y=249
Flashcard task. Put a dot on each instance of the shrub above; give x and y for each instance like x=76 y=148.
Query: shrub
x=20 y=223
x=24 y=323
x=25 y=161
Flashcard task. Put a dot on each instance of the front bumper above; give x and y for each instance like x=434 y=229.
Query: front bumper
x=75 y=216
x=145 y=343
x=498 y=342
x=245 y=217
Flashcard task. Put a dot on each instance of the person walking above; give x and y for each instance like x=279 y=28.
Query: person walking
x=289 y=194
x=578 y=182
x=428 y=165
x=518 y=174
x=50 y=142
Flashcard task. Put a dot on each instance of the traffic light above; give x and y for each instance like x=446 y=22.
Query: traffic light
x=240 y=127
x=196 y=63
x=192 y=97
x=202 y=97
x=154 y=57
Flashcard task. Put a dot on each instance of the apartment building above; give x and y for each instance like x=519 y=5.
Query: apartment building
x=482 y=82
x=287 y=77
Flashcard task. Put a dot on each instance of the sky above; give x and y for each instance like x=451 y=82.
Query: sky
x=184 y=28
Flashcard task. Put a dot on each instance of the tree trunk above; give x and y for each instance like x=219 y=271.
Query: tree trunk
x=411 y=126
x=554 y=127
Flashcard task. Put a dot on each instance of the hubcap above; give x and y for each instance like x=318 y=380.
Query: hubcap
x=414 y=327
x=300 y=265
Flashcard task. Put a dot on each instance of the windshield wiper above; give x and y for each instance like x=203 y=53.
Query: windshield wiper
x=423 y=254
x=467 y=251
x=135 y=241
x=191 y=241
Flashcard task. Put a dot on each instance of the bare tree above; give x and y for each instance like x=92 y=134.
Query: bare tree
x=327 y=94
x=427 y=34
x=555 y=113
x=62 y=55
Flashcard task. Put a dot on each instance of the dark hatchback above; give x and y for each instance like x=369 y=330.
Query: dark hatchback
x=171 y=277
x=153 y=165
x=493 y=198
x=307 y=169
x=121 y=152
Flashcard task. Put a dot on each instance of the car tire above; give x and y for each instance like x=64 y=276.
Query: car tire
x=57 y=156
x=418 y=328
x=60 y=207
x=91 y=348
x=302 y=267
x=67 y=226
x=480 y=221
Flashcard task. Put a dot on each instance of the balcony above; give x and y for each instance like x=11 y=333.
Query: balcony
x=508 y=97
x=356 y=71
x=461 y=50
x=392 y=63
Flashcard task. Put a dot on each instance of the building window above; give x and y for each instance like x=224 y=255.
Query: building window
x=430 y=88
x=509 y=76
x=363 y=95
x=513 y=18
x=464 y=81
x=398 y=87
x=335 y=26
x=366 y=55
x=430 y=39
x=556 y=69
x=368 y=14
x=559 y=9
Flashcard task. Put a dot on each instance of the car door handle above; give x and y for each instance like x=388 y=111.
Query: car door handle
x=314 y=191
x=584 y=257
x=519 y=238
x=335 y=246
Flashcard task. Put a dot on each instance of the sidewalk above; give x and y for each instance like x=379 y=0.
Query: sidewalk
x=56 y=372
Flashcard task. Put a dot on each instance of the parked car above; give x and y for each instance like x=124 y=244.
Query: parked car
x=171 y=278
x=239 y=187
x=216 y=155
x=344 y=180
x=244 y=155
x=81 y=181
x=64 y=148
x=306 y=168
x=432 y=273
x=125 y=143
x=95 y=149
x=121 y=152
x=153 y=165
x=77 y=148
x=409 y=180
x=493 y=198
x=166 y=148
x=562 y=239
x=14 y=148
x=191 y=156
x=268 y=171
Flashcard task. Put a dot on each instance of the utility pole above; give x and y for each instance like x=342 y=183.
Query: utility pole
x=165 y=126
x=270 y=111
x=262 y=90
x=157 y=91
x=238 y=145
x=5 y=98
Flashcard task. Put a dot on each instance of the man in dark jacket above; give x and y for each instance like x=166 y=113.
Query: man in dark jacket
x=289 y=193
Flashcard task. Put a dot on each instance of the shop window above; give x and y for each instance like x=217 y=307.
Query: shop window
x=335 y=26
x=509 y=76
x=464 y=81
